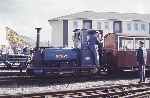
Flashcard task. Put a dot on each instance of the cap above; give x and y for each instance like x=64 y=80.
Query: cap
x=75 y=30
x=141 y=42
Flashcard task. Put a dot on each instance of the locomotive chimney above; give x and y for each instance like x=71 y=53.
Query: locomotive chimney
x=38 y=38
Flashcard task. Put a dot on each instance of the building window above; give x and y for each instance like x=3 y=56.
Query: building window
x=143 y=27
x=129 y=27
x=117 y=27
x=107 y=25
x=149 y=27
x=136 y=27
x=87 y=24
x=75 y=24
x=99 y=25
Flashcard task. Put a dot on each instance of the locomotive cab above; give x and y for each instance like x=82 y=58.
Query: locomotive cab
x=90 y=48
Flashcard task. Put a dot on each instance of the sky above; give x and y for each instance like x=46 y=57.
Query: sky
x=24 y=15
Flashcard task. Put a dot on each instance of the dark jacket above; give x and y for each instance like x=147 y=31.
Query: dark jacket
x=140 y=58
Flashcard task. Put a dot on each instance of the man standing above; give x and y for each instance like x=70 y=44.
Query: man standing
x=76 y=38
x=141 y=59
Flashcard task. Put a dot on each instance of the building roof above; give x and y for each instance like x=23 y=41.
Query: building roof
x=134 y=34
x=105 y=15
x=140 y=35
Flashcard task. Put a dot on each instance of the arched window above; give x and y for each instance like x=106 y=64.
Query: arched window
x=106 y=25
x=117 y=27
x=136 y=27
x=143 y=27
x=87 y=24
x=99 y=25
x=129 y=27
x=75 y=24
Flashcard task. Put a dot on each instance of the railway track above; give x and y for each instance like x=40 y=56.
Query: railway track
x=53 y=80
x=45 y=80
x=115 y=91
x=23 y=79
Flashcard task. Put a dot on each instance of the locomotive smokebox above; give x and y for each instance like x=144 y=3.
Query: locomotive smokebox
x=38 y=38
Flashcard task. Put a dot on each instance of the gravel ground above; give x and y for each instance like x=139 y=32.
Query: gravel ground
x=15 y=90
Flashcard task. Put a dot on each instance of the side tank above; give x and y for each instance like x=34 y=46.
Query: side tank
x=54 y=61
x=49 y=56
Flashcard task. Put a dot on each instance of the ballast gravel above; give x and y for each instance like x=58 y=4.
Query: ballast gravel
x=16 y=90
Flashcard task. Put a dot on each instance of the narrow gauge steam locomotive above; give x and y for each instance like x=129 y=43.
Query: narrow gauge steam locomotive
x=83 y=58
x=116 y=53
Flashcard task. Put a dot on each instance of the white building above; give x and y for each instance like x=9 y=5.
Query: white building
x=109 y=22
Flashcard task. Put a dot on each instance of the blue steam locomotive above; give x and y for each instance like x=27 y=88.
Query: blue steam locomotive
x=84 y=57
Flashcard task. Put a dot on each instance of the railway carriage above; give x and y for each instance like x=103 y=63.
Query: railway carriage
x=14 y=61
x=121 y=48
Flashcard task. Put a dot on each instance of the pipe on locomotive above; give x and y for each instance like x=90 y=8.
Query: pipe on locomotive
x=38 y=38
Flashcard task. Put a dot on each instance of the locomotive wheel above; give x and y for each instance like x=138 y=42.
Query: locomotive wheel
x=105 y=70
